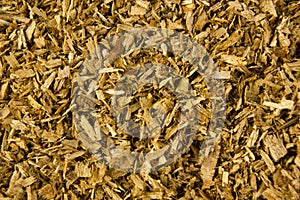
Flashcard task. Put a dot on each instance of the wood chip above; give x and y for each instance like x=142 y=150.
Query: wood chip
x=12 y=61
x=275 y=146
x=268 y=161
x=137 y=10
x=268 y=6
x=208 y=168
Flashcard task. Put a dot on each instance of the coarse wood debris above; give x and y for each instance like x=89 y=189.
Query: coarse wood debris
x=255 y=44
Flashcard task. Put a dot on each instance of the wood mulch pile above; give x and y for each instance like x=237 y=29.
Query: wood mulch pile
x=254 y=43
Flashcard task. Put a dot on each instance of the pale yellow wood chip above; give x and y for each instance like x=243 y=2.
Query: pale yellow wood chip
x=220 y=33
x=30 y=30
x=234 y=60
x=114 y=92
x=201 y=21
x=4 y=112
x=63 y=73
x=276 y=147
x=47 y=192
x=83 y=170
x=284 y=104
x=53 y=63
x=268 y=6
x=25 y=182
x=268 y=161
x=23 y=73
x=174 y=25
x=11 y=60
x=137 y=10
x=34 y=103
x=186 y=2
x=138 y=182
x=189 y=20
x=4 y=23
x=40 y=42
x=253 y=137
x=236 y=5
x=48 y=81
x=154 y=195
x=39 y=12
x=18 y=125
x=50 y=136
x=297 y=160
x=142 y=3
x=21 y=18
x=271 y=194
x=233 y=39
x=74 y=155
x=3 y=91
x=208 y=168
x=225 y=178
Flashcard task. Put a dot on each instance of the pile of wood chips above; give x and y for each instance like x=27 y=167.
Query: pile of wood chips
x=254 y=43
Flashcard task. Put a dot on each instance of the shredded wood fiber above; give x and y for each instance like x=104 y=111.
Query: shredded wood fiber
x=254 y=43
